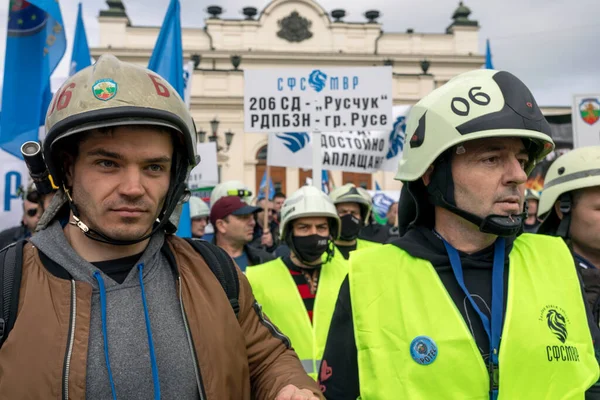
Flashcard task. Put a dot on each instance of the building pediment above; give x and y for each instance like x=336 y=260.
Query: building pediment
x=290 y=26
x=294 y=27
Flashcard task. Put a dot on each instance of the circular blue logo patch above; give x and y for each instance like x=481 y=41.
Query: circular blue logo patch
x=423 y=350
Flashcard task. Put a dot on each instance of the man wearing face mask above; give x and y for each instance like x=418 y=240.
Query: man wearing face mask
x=353 y=205
x=299 y=291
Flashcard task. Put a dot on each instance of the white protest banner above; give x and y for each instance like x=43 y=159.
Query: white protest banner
x=13 y=175
x=585 y=116
x=359 y=151
x=290 y=149
x=323 y=99
x=206 y=173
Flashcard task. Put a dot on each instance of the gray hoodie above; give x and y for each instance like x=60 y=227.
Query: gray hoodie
x=126 y=330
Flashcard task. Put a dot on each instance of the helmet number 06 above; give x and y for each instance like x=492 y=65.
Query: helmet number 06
x=461 y=106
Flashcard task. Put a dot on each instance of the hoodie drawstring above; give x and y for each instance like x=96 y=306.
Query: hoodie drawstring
x=104 y=334
x=148 y=330
x=150 y=341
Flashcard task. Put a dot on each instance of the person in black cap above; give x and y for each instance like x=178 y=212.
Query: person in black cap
x=233 y=221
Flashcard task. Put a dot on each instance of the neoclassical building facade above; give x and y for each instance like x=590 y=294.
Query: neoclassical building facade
x=293 y=33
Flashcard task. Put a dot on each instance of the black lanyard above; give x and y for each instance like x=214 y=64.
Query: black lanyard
x=493 y=329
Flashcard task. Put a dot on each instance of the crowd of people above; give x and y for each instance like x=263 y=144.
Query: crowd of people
x=475 y=288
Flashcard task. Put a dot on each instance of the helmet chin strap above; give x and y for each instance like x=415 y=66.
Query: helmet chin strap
x=179 y=193
x=441 y=193
x=501 y=225
x=565 y=222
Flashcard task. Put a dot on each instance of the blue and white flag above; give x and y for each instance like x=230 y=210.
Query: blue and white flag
x=167 y=61
x=35 y=44
x=263 y=184
x=167 y=56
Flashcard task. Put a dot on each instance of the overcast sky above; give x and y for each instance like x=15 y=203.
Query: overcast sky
x=552 y=45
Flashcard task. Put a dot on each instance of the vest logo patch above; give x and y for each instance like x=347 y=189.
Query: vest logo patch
x=557 y=324
x=423 y=350
x=556 y=319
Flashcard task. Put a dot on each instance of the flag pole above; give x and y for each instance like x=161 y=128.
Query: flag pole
x=317 y=160
x=266 y=208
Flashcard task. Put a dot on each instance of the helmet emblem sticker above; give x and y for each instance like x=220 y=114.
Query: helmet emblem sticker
x=105 y=89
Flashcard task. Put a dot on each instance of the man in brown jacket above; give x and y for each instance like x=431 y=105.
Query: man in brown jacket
x=112 y=304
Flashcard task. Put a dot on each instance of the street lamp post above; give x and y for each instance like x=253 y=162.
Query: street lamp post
x=213 y=137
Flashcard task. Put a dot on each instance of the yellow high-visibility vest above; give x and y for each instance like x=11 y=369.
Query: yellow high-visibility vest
x=413 y=342
x=274 y=288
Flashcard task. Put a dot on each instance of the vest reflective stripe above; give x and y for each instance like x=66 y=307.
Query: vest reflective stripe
x=546 y=350
x=311 y=366
x=274 y=288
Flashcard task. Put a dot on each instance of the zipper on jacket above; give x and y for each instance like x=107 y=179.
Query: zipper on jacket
x=272 y=328
x=70 y=340
x=191 y=344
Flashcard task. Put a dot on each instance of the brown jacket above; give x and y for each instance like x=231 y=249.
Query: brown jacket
x=237 y=359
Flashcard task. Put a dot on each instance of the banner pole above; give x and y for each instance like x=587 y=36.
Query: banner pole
x=331 y=181
x=317 y=160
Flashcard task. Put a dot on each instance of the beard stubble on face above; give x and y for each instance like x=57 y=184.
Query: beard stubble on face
x=473 y=201
x=99 y=217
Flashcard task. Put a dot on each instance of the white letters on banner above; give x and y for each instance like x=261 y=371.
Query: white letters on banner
x=585 y=117
x=359 y=151
x=13 y=174
x=206 y=173
x=317 y=99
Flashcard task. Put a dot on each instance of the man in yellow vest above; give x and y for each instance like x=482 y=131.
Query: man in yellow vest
x=298 y=292
x=461 y=306
x=353 y=205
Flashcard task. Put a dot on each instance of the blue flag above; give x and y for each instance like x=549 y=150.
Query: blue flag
x=81 y=57
x=488 y=56
x=35 y=44
x=167 y=56
x=381 y=205
x=263 y=184
x=167 y=61
x=325 y=181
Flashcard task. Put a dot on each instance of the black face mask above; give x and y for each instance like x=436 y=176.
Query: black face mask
x=350 y=227
x=310 y=248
